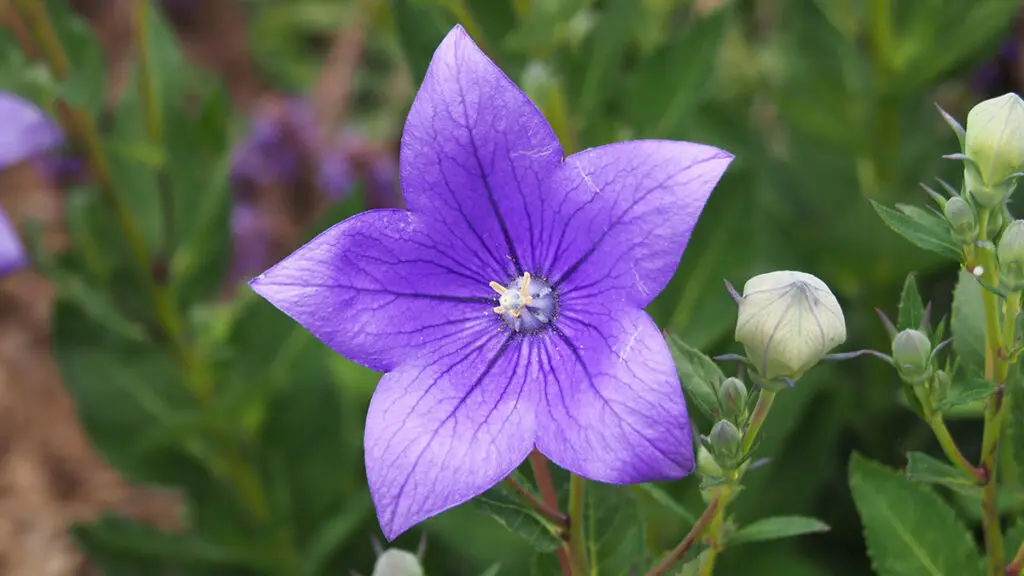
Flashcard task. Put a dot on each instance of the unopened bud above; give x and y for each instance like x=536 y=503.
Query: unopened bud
x=787 y=322
x=961 y=219
x=395 y=562
x=911 y=352
x=995 y=145
x=726 y=443
x=732 y=395
x=706 y=463
x=1010 y=253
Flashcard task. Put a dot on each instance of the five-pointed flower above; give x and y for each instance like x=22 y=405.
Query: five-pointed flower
x=506 y=306
x=25 y=133
x=26 y=130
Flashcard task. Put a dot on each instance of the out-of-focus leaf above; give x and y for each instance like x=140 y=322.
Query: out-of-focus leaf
x=1015 y=393
x=966 y=392
x=333 y=533
x=420 y=27
x=85 y=87
x=776 y=528
x=910 y=530
x=924 y=230
x=911 y=307
x=923 y=468
x=505 y=506
x=615 y=530
x=699 y=375
x=119 y=541
x=609 y=42
x=667 y=86
x=667 y=502
x=968 y=324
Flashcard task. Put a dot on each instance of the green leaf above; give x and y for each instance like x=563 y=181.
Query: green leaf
x=113 y=537
x=505 y=506
x=776 y=528
x=966 y=392
x=85 y=86
x=923 y=468
x=608 y=45
x=911 y=307
x=699 y=375
x=666 y=502
x=615 y=530
x=420 y=28
x=910 y=530
x=1014 y=537
x=922 y=229
x=100 y=370
x=329 y=538
x=666 y=87
x=493 y=570
x=968 y=324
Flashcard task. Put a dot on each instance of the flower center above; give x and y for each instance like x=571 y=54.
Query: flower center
x=527 y=304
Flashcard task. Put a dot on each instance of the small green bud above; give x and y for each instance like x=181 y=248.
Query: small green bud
x=961 y=219
x=395 y=562
x=726 y=443
x=732 y=395
x=706 y=464
x=995 y=145
x=998 y=219
x=787 y=322
x=911 y=352
x=1010 y=253
x=941 y=383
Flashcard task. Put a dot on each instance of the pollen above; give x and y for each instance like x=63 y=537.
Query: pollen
x=527 y=304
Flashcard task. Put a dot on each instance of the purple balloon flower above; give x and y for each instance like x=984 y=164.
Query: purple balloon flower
x=12 y=254
x=506 y=306
x=27 y=130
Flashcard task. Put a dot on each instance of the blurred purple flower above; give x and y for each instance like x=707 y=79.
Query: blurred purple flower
x=281 y=148
x=251 y=234
x=506 y=306
x=12 y=253
x=999 y=75
x=63 y=171
x=27 y=131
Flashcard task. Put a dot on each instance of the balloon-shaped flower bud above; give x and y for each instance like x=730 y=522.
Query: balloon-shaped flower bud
x=1010 y=253
x=726 y=443
x=961 y=219
x=911 y=352
x=732 y=396
x=994 y=143
x=787 y=322
x=394 y=562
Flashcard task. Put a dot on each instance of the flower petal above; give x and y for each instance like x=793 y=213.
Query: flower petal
x=611 y=408
x=27 y=131
x=625 y=215
x=441 y=431
x=380 y=287
x=12 y=253
x=475 y=154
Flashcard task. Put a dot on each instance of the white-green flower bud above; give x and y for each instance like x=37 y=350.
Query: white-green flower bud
x=1010 y=253
x=911 y=352
x=732 y=396
x=787 y=322
x=995 y=145
x=706 y=463
x=395 y=562
x=726 y=443
x=961 y=219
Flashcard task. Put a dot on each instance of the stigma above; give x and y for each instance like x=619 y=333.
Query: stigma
x=527 y=304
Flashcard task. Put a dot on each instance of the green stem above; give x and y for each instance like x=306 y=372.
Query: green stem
x=996 y=370
x=677 y=553
x=577 y=541
x=949 y=447
x=764 y=404
x=725 y=494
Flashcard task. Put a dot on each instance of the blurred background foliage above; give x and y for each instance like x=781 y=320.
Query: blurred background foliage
x=825 y=103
